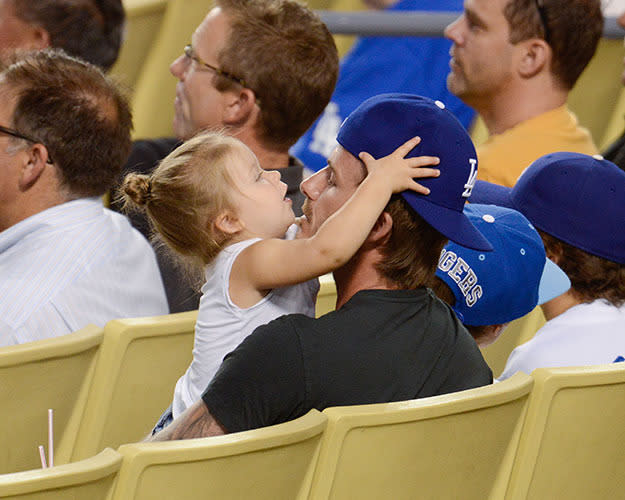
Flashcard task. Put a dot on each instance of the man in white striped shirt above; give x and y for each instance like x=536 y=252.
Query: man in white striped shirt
x=65 y=261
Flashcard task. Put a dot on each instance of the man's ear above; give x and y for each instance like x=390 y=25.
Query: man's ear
x=381 y=229
x=228 y=223
x=240 y=107
x=40 y=38
x=535 y=57
x=36 y=160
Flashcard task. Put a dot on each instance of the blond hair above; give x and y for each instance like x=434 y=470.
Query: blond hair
x=184 y=195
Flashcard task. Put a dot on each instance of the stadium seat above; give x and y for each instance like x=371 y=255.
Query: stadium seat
x=616 y=123
x=596 y=92
x=452 y=446
x=140 y=361
x=573 y=441
x=268 y=463
x=90 y=479
x=326 y=298
x=52 y=373
x=516 y=333
x=153 y=101
x=143 y=20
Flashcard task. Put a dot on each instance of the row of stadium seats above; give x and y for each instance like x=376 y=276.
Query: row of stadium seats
x=549 y=435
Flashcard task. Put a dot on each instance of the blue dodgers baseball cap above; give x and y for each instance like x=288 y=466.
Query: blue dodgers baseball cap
x=383 y=123
x=496 y=287
x=577 y=198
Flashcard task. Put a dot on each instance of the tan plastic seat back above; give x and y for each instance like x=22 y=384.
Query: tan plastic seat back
x=445 y=447
x=596 y=92
x=516 y=333
x=143 y=21
x=153 y=101
x=53 y=373
x=268 y=463
x=326 y=298
x=90 y=479
x=573 y=442
x=141 y=360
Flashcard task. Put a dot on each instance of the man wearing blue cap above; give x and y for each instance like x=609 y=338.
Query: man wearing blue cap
x=391 y=338
x=576 y=203
x=487 y=290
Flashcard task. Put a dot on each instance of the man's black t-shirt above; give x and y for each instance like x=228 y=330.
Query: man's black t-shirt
x=381 y=346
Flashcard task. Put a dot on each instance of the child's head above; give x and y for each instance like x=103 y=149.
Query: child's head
x=209 y=192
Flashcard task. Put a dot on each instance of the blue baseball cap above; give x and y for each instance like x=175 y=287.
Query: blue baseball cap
x=383 y=123
x=493 y=288
x=576 y=198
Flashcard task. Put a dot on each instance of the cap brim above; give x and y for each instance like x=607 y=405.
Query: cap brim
x=553 y=282
x=488 y=193
x=449 y=222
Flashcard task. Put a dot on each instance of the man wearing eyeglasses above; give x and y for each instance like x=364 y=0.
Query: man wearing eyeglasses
x=261 y=70
x=65 y=261
x=515 y=62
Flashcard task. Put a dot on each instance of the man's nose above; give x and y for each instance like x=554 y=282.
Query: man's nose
x=452 y=31
x=310 y=187
x=177 y=67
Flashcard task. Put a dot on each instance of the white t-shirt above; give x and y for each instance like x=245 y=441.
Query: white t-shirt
x=585 y=334
x=221 y=325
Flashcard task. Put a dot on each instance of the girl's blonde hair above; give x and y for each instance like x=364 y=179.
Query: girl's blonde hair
x=184 y=195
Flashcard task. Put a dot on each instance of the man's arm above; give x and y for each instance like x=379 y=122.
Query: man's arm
x=195 y=422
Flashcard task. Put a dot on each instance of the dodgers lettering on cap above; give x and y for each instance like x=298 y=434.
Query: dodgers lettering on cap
x=460 y=272
x=493 y=288
x=384 y=122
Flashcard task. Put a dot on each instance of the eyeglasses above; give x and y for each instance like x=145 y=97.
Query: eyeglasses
x=19 y=135
x=542 y=12
x=190 y=53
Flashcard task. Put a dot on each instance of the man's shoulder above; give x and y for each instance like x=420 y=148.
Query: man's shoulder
x=504 y=157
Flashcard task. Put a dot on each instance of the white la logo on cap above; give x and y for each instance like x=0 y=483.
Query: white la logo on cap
x=468 y=187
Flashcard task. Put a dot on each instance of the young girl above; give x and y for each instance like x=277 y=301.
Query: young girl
x=211 y=201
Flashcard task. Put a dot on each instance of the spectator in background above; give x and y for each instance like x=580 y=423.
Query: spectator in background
x=515 y=62
x=375 y=65
x=487 y=290
x=65 y=261
x=576 y=203
x=91 y=30
x=262 y=70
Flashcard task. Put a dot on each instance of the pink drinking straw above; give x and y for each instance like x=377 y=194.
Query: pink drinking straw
x=42 y=456
x=50 y=437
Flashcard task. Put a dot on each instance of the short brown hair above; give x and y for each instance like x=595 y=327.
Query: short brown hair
x=574 y=30
x=77 y=112
x=88 y=29
x=184 y=195
x=411 y=254
x=288 y=58
x=592 y=277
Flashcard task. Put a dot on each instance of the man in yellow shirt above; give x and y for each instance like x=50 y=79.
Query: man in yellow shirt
x=515 y=62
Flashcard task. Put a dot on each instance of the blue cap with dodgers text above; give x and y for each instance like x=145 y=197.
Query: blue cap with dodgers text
x=493 y=288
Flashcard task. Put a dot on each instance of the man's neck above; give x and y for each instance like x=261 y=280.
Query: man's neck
x=508 y=109
x=560 y=304
x=358 y=274
x=29 y=204
x=268 y=157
